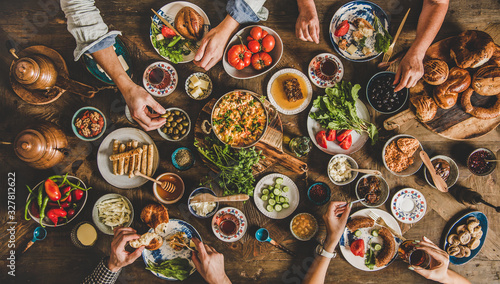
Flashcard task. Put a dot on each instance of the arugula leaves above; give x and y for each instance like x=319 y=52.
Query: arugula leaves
x=337 y=110
x=382 y=40
x=172 y=48
x=235 y=166
x=178 y=268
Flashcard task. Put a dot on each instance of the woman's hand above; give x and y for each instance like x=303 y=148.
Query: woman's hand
x=209 y=263
x=410 y=70
x=307 y=25
x=138 y=99
x=335 y=219
x=119 y=257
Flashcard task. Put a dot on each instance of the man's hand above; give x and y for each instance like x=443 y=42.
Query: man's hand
x=335 y=219
x=119 y=256
x=410 y=70
x=307 y=25
x=138 y=99
x=213 y=43
x=209 y=263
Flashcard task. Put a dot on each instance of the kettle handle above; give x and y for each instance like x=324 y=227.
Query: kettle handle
x=78 y=88
x=11 y=46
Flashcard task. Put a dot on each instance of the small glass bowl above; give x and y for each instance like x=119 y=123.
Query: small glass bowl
x=492 y=164
x=176 y=165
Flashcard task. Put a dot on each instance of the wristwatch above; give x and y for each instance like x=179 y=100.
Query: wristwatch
x=320 y=250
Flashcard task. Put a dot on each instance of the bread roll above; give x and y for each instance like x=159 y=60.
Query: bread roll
x=435 y=71
x=189 y=23
x=486 y=81
x=155 y=215
x=151 y=241
x=425 y=107
x=472 y=49
x=446 y=94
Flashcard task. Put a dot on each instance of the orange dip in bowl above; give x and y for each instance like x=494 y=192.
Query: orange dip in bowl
x=169 y=197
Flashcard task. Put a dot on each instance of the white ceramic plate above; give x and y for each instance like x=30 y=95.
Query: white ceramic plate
x=95 y=213
x=292 y=194
x=358 y=140
x=168 y=12
x=240 y=232
x=408 y=205
x=314 y=72
x=165 y=252
x=167 y=68
x=306 y=101
x=128 y=115
x=106 y=149
x=347 y=237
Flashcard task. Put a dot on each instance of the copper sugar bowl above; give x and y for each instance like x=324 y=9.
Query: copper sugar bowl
x=42 y=146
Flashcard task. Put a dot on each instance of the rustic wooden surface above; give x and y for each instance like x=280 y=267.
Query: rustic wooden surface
x=56 y=260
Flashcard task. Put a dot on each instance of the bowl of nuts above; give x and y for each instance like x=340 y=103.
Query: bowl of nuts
x=177 y=125
x=88 y=123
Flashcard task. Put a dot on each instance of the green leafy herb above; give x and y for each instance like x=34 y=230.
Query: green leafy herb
x=173 y=48
x=362 y=42
x=178 y=268
x=382 y=38
x=235 y=166
x=337 y=110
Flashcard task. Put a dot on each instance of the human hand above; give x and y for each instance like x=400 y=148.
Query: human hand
x=213 y=43
x=209 y=263
x=439 y=264
x=307 y=25
x=119 y=256
x=410 y=70
x=335 y=219
x=138 y=99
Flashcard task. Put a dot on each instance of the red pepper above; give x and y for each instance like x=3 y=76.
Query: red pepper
x=321 y=138
x=52 y=190
x=71 y=212
x=331 y=135
x=34 y=210
x=342 y=29
x=343 y=134
x=77 y=194
x=55 y=213
x=66 y=193
x=346 y=143
x=358 y=248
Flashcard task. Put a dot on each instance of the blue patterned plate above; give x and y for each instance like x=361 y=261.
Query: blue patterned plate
x=317 y=77
x=408 y=205
x=350 y=12
x=168 y=69
x=121 y=50
x=483 y=222
x=165 y=252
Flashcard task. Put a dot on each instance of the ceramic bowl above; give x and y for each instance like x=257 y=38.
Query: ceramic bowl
x=95 y=213
x=384 y=188
x=417 y=162
x=402 y=100
x=174 y=161
x=353 y=164
x=160 y=199
x=452 y=179
x=167 y=136
x=206 y=93
x=80 y=112
x=197 y=191
x=308 y=237
x=325 y=200
x=492 y=165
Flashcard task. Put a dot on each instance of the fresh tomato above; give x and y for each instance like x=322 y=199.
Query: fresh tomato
x=267 y=43
x=77 y=194
x=66 y=194
x=254 y=46
x=342 y=29
x=239 y=56
x=260 y=40
x=346 y=143
x=331 y=135
x=167 y=32
x=261 y=60
x=358 y=248
x=52 y=190
x=321 y=138
x=343 y=134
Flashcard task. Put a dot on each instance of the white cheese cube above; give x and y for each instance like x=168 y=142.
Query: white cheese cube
x=204 y=84
x=352 y=49
x=159 y=37
x=195 y=81
x=196 y=92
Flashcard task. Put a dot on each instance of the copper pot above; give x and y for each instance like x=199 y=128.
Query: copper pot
x=36 y=72
x=41 y=146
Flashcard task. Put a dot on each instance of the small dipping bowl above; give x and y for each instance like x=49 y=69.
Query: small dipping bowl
x=165 y=197
x=262 y=235
x=476 y=162
x=84 y=235
x=79 y=113
x=169 y=137
x=39 y=234
x=197 y=191
x=417 y=161
x=319 y=193
x=304 y=216
x=384 y=191
x=353 y=164
x=174 y=161
x=200 y=76
x=452 y=178
x=377 y=93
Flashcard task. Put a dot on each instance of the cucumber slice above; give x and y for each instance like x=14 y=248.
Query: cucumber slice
x=271 y=195
x=265 y=191
x=287 y=199
x=264 y=197
x=272 y=201
x=270 y=208
x=282 y=199
x=278 y=207
x=270 y=187
x=279 y=181
x=357 y=233
x=277 y=191
x=286 y=189
x=285 y=205
x=375 y=233
x=376 y=247
x=277 y=198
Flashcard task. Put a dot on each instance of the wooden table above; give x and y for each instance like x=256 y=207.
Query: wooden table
x=56 y=260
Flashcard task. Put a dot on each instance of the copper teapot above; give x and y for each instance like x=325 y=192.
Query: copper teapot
x=42 y=146
x=35 y=73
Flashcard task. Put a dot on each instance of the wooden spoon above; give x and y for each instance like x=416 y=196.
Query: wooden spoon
x=366 y=171
x=165 y=185
x=438 y=181
x=207 y=197
x=489 y=161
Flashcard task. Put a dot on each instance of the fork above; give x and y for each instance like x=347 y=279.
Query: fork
x=380 y=221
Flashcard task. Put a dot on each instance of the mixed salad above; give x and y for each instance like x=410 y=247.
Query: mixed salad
x=169 y=44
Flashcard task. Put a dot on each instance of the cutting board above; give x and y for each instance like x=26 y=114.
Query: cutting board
x=270 y=144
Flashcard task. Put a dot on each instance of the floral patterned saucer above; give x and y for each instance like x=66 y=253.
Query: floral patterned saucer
x=234 y=215
x=408 y=205
x=168 y=69
x=318 y=78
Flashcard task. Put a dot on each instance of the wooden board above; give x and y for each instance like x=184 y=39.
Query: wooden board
x=270 y=144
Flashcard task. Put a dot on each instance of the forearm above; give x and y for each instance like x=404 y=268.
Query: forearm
x=228 y=26
x=108 y=60
x=430 y=21
x=319 y=267
x=305 y=4
x=455 y=278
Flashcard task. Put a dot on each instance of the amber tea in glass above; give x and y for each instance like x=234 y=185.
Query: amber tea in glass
x=414 y=256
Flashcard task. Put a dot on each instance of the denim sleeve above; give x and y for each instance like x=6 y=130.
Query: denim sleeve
x=87 y=27
x=247 y=11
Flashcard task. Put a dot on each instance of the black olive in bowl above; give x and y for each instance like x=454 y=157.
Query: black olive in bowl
x=380 y=93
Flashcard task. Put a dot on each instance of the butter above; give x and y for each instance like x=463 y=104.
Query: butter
x=203 y=208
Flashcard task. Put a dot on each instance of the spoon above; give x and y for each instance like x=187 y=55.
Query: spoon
x=366 y=171
x=489 y=161
x=167 y=186
x=438 y=181
x=39 y=234
x=262 y=235
x=353 y=202
x=207 y=197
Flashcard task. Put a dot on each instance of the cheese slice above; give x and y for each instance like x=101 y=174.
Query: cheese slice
x=195 y=81
x=196 y=92
x=352 y=49
x=204 y=84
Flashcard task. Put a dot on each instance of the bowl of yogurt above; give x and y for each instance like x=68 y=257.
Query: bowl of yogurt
x=202 y=209
x=339 y=169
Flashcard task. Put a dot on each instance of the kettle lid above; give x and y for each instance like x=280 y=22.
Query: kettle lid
x=30 y=145
x=26 y=71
